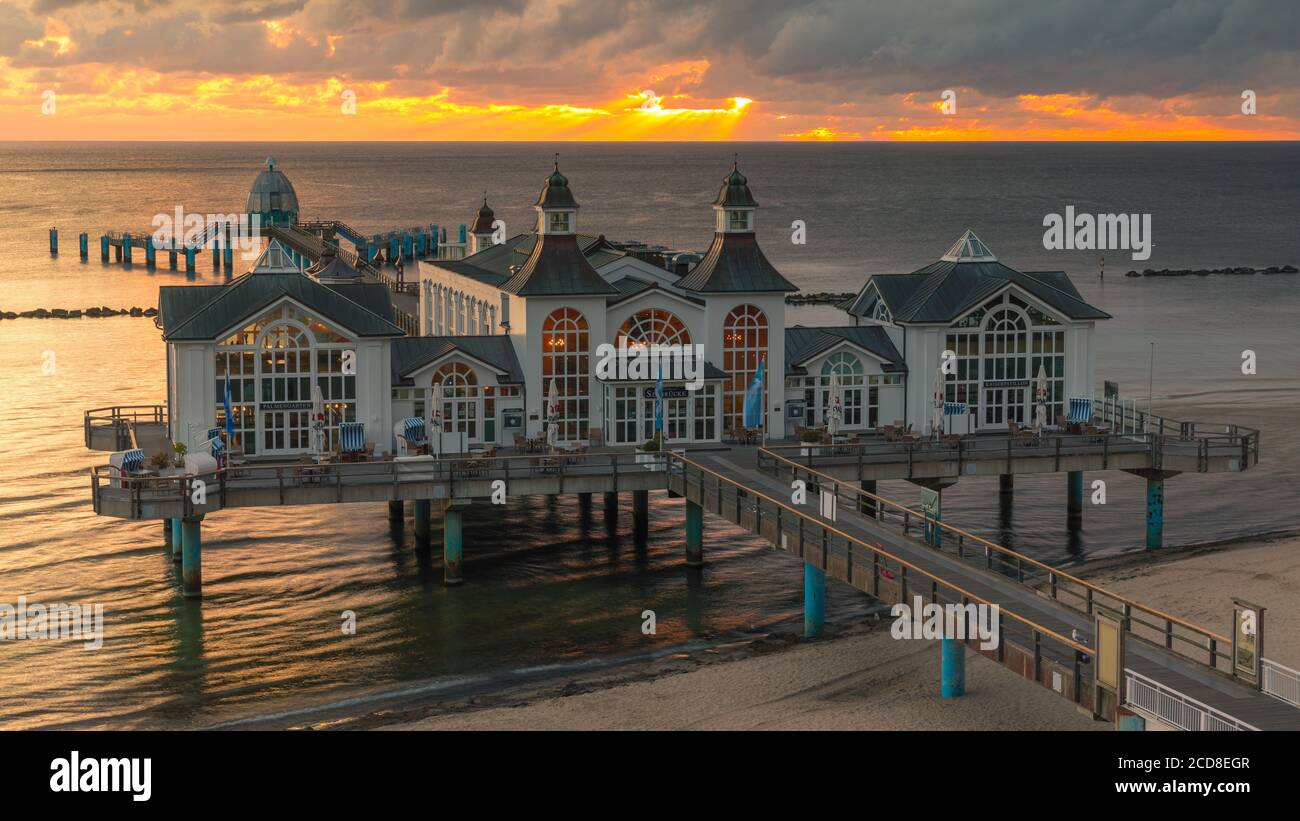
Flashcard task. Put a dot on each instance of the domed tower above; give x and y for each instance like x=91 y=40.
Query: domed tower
x=480 y=233
x=272 y=197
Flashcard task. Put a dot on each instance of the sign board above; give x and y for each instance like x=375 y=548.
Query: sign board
x=829 y=503
x=1007 y=383
x=1247 y=640
x=1111 y=390
x=1108 y=666
x=281 y=406
x=674 y=392
x=512 y=418
x=794 y=409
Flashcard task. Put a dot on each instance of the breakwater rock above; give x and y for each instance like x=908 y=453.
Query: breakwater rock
x=78 y=313
x=1205 y=272
x=820 y=298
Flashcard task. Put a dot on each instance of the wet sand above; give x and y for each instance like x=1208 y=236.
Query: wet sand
x=862 y=679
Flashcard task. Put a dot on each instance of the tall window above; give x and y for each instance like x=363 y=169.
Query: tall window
x=565 y=364
x=1049 y=352
x=455 y=387
x=1005 y=345
x=558 y=222
x=653 y=326
x=849 y=370
x=964 y=384
x=744 y=344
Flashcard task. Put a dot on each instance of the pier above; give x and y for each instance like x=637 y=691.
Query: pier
x=1177 y=674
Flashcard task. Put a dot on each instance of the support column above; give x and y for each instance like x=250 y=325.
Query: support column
x=1155 y=514
x=640 y=512
x=177 y=539
x=611 y=507
x=83 y=245
x=421 y=507
x=814 y=600
x=584 y=505
x=54 y=242
x=167 y=534
x=694 y=534
x=1006 y=484
x=191 y=554
x=396 y=512
x=867 y=506
x=451 y=546
x=952 y=668
x=1074 y=501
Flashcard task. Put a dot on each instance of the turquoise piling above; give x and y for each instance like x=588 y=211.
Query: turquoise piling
x=216 y=254
x=190 y=253
x=103 y=248
x=150 y=253
x=814 y=600
x=126 y=248
x=451 y=546
x=952 y=668
x=54 y=242
x=1155 y=514
x=396 y=513
x=191 y=557
x=228 y=256
x=83 y=245
x=171 y=253
x=694 y=534
x=1130 y=722
x=167 y=534
x=177 y=540
x=421 y=508
x=1074 y=497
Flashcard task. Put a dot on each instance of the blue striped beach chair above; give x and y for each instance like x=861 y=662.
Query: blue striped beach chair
x=413 y=433
x=352 y=441
x=127 y=464
x=1080 y=411
x=218 y=444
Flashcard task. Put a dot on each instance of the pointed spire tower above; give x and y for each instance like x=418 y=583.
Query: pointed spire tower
x=734 y=262
x=480 y=232
x=557 y=266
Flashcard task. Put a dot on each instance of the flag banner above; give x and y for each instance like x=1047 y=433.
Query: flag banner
x=754 y=398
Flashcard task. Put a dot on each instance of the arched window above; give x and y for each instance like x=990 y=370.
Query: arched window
x=744 y=344
x=565 y=364
x=653 y=326
x=849 y=370
x=455 y=386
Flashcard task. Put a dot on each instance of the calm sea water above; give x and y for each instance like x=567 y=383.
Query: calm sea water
x=549 y=591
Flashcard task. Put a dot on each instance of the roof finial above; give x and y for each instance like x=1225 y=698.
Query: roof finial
x=735 y=161
x=270 y=163
x=557 y=161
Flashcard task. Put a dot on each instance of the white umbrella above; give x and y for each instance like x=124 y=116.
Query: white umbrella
x=552 y=415
x=936 y=403
x=317 y=422
x=1040 y=398
x=836 y=411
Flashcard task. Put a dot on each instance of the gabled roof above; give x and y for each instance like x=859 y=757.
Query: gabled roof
x=557 y=267
x=967 y=276
x=412 y=353
x=492 y=265
x=735 y=263
x=203 y=312
x=630 y=287
x=803 y=343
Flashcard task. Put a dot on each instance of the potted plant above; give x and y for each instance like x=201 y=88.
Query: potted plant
x=810 y=439
x=161 y=462
x=648 y=454
x=180 y=449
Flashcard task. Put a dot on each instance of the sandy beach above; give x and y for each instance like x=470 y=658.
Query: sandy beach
x=862 y=679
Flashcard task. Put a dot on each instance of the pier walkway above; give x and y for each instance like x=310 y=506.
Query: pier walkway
x=1176 y=672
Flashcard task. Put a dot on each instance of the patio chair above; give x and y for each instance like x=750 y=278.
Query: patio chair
x=411 y=432
x=218 y=445
x=1080 y=411
x=128 y=464
x=353 y=446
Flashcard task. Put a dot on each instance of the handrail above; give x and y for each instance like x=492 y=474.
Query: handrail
x=1020 y=560
x=1203 y=711
x=1081 y=648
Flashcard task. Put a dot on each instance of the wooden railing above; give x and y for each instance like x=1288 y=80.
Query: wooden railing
x=121 y=418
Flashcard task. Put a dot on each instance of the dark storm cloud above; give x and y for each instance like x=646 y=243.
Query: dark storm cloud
x=249 y=12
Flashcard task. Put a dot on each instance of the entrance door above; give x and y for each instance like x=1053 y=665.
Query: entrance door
x=460 y=424
x=675 y=428
x=1002 y=405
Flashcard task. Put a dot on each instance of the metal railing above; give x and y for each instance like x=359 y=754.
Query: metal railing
x=1174 y=708
x=121 y=419
x=1280 y=681
x=329 y=479
x=1147 y=624
x=867 y=567
x=1221 y=437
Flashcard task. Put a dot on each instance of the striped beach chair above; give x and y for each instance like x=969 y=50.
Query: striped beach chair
x=413 y=433
x=352 y=441
x=1080 y=411
x=126 y=464
x=218 y=444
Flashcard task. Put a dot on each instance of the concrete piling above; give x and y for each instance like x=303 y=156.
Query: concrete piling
x=177 y=540
x=694 y=535
x=640 y=513
x=54 y=242
x=396 y=513
x=1074 y=498
x=191 y=556
x=451 y=546
x=421 y=511
x=83 y=245
x=952 y=668
x=814 y=600
x=1006 y=484
x=611 y=507
x=1155 y=513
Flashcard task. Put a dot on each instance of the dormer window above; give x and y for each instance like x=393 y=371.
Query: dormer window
x=738 y=221
x=558 y=222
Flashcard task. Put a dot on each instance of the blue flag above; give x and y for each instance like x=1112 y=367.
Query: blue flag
x=659 y=403
x=230 y=416
x=754 y=398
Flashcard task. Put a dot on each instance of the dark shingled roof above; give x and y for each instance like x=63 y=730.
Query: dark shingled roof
x=735 y=191
x=629 y=287
x=491 y=266
x=205 y=311
x=483 y=220
x=734 y=262
x=963 y=278
x=557 y=267
x=556 y=193
x=412 y=353
x=802 y=343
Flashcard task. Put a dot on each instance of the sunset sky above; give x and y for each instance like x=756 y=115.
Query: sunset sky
x=648 y=69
